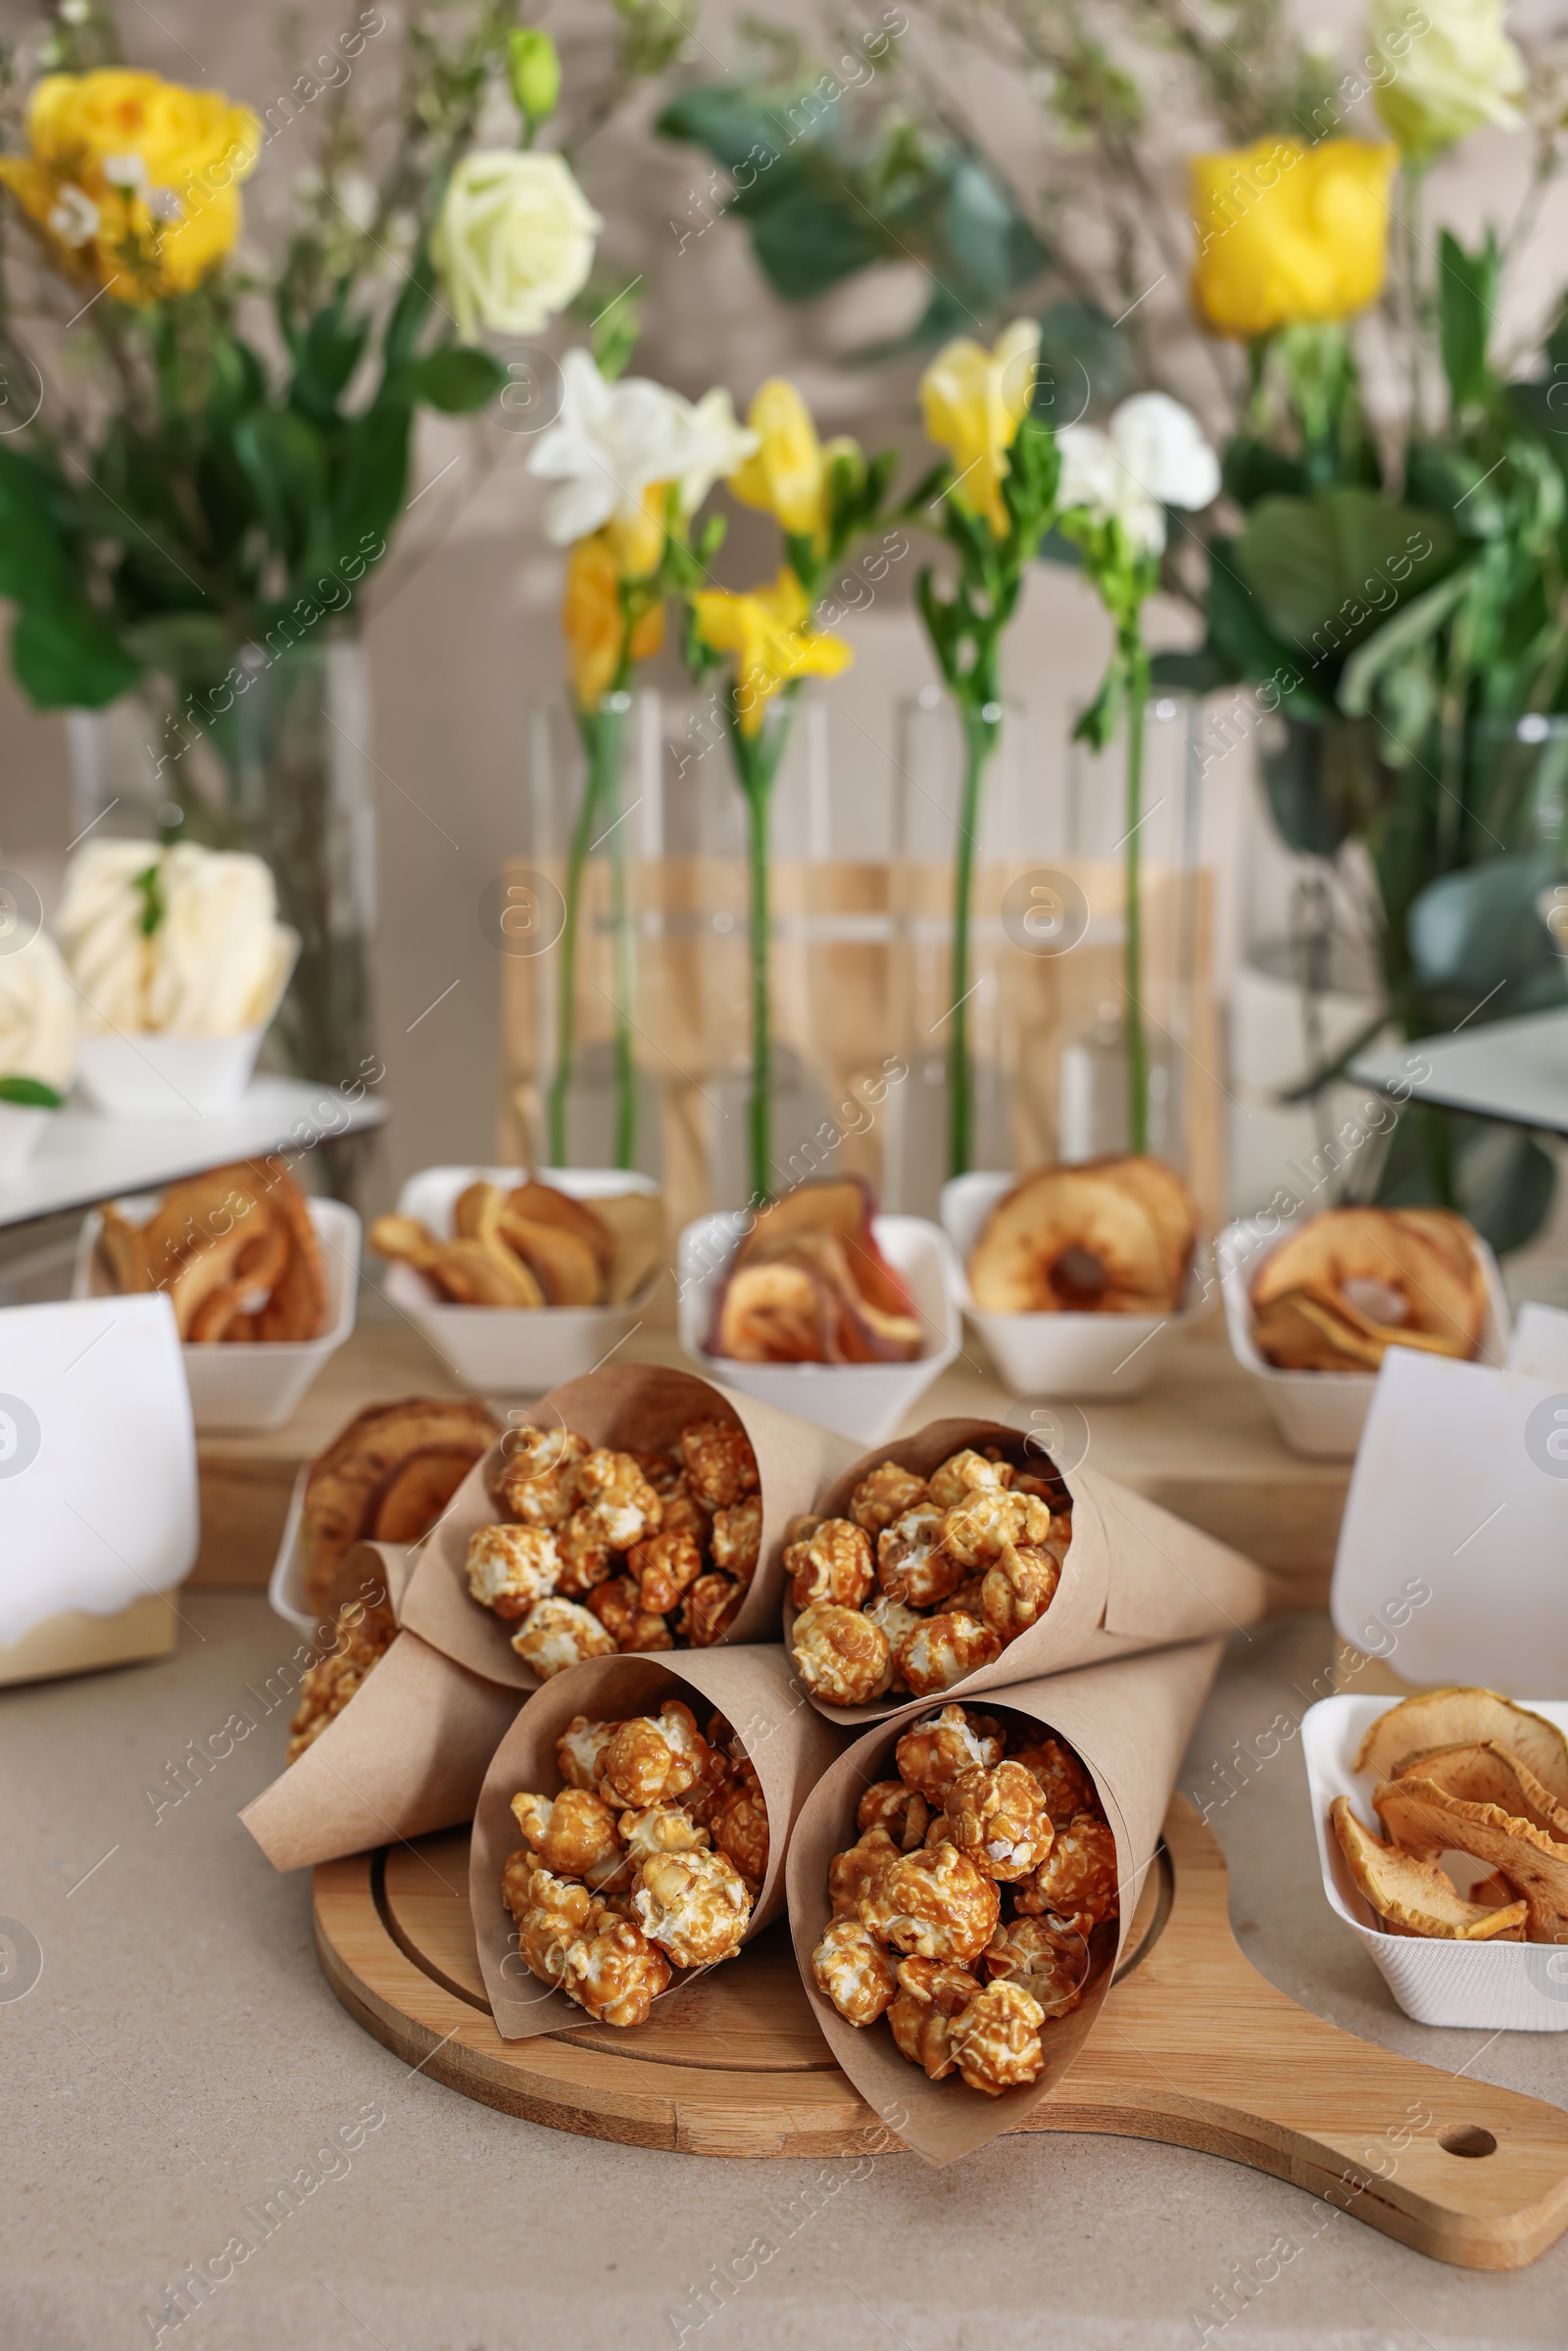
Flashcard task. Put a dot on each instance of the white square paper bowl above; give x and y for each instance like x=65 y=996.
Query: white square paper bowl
x=1098 y=1357
x=1321 y=1412
x=868 y=1402
x=1483 y=1987
x=511 y=1350
x=153 y=1076
x=254 y=1384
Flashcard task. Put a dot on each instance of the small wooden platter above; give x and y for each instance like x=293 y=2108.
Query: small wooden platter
x=1193 y=2047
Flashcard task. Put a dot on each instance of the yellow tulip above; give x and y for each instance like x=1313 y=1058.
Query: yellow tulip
x=1289 y=234
x=974 y=401
x=132 y=181
x=766 y=631
x=593 y=620
x=786 y=475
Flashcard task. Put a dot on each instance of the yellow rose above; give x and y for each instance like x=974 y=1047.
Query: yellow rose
x=132 y=181
x=786 y=476
x=1289 y=234
x=766 y=632
x=974 y=401
x=593 y=620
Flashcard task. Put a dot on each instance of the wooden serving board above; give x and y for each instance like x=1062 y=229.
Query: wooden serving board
x=1193 y=2047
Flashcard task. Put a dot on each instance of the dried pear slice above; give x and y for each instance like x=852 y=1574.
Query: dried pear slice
x=1488 y=1773
x=405 y=1239
x=563 y=1264
x=481 y=1273
x=635 y=1223
x=1414 y=1895
x=476 y=1212
x=1465 y=1717
x=542 y=1204
x=1424 y=1821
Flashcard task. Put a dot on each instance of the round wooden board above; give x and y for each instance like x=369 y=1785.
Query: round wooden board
x=1193 y=2047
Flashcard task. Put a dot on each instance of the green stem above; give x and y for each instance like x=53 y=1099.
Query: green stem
x=625 y=953
x=759 y=1108
x=979 y=741
x=601 y=731
x=1137 y=1042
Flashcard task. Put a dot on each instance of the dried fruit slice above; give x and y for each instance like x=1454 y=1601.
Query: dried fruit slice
x=202 y=1275
x=122 y=1251
x=1169 y=1203
x=1455 y=1717
x=1069 y=1240
x=353 y=1490
x=635 y=1223
x=542 y=1204
x=1412 y=1894
x=777 y=1314
x=1393 y=1284
x=476 y=1212
x=561 y=1262
x=1297 y=1333
x=483 y=1273
x=1489 y=1774
x=1424 y=1821
x=297 y=1308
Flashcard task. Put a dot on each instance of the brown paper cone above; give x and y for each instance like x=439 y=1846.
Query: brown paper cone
x=407 y=1754
x=1133 y=1578
x=789 y=1746
x=638 y=1407
x=1129 y=1723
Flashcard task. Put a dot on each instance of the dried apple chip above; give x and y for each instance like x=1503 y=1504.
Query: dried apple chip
x=1489 y=1774
x=1455 y=1717
x=1415 y=1895
x=1424 y=1822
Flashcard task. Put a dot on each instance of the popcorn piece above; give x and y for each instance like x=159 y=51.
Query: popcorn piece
x=537 y=1481
x=995 y=2042
x=921 y=2016
x=720 y=1464
x=1065 y=1785
x=1077 y=1881
x=738 y=1538
x=684 y=1514
x=853 y=1972
x=885 y=1494
x=943 y=1649
x=613 y=1972
x=653 y=1758
x=326 y=1687
x=663 y=1473
x=1050 y=1963
x=510 y=1568
x=558 y=1633
x=980 y=1529
x=934 y=1904
x=704 y=1798
x=708 y=1610
x=1018 y=1589
x=618 y=1606
x=897 y=1622
x=937 y=1831
x=516 y=1879
x=856 y=1876
x=740 y=1831
x=844 y=1659
x=572 y=1834
x=835 y=1567
x=585 y=1559
x=999 y=1819
x=557 y=1913
x=665 y=1565
x=659 y=1828
x=901 y=1811
x=694 y=1905
x=618 y=1505
x=963 y=1474
x=931 y=1756
x=579 y=1748
x=912 y=1565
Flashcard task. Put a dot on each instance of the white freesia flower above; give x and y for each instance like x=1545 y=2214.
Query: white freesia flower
x=1461 y=72
x=513 y=241
x=216 y=960
x=37 y=1016
x=718 y=445
x=611 y=440
x=1152 y=455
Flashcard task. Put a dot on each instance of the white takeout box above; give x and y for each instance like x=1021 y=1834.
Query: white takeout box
x=286 y=1594
x=1321 y=1413
x=254 y=1384
x=511 y=1350
x=1484 y=1986
x=1538 y=1347
x=1093 y=1356
x=866 y=1402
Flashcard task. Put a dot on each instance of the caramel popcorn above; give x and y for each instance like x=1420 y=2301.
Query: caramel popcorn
x=1018 y=1591
x=662 y=1828
x=684 y=1513
x=943 y=1649
x=995 y=2042
x=737 y=1537
x=921 y=2016
x=1049 y=1961
x=617 y=1503
x=835 y=1566
x=856 y=1876
x=584 y=1559
x=720 y=1779
x=653 y=1757
x=708 y=1610
x=841 y=1656
x=931 y=1756
x=740 y=1831
x=694 y=1905
x=554 y=1913
x=509 y=1568
x=663 y=1473
x=719 y=1462
x=933 y=1904
x=579 y=1749
x=618 y=1606
x=573 y=1833
x=612 y=1970
x=1065 y=1785
x=516 y=1879
x=963 y=1474
x=913 y=1563
x=537 y=1482
x=988 y=1523
x=665 y=1565
x=999 y=1819
x=902 y=1811
x=852 y=1971
x=1076 y=1883
x=326 y=1687
x=559 y=1633
x=884 y=1496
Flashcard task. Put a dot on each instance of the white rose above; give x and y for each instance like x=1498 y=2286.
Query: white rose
x=216 y=960
x=513 y=241
x=37 y=1016
x=1454 y=76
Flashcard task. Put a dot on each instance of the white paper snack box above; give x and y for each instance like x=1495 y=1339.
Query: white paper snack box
x=98 y=1510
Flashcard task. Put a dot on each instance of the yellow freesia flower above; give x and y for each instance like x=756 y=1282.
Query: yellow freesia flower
x=973 y=402
x=787 y=475
x=1289 y=234
x=593 y=620
x=636 y=535
x=132 y=181
x=766 y=631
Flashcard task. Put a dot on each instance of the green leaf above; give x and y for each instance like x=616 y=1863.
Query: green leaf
x=184 y=646
x=1082 y=355
x=809 y=240
x=1252 y=470
x=283 y=459
x=1412 y=626
x=37 y=545
x=65 y=657
x=368 y=492
x=457 y=378
x=1201 y=671
x=150 y=882
x=30 y=1093
x=1328 y=571
x=325 y=358
x=1467 y=300
x=1241 y=633
x=1496 y=1176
